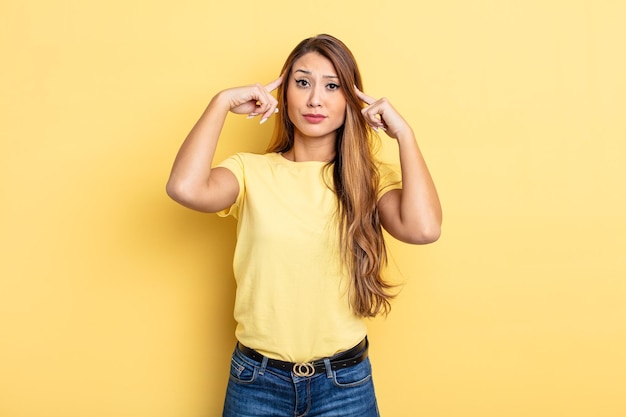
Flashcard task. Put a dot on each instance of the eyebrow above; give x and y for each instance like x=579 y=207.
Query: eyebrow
x=309 y=73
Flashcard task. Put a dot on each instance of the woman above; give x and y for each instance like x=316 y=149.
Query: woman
x=310 y=247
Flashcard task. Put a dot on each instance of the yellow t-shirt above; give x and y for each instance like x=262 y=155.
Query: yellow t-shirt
x=292 y=293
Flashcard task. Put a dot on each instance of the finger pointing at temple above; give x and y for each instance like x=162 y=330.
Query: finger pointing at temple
x=364 y=97
x=274 y=84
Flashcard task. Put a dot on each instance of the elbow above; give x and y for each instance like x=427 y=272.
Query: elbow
x=192 y=196
x=423 y=235
x=182 y=194
x=432 y=236
x=173 y=190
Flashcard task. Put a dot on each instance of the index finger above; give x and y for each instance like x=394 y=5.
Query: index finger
x=364 y=97
x=274 y=84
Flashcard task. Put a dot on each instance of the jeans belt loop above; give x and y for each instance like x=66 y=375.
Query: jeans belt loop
x=263 y=365
x=329 y=369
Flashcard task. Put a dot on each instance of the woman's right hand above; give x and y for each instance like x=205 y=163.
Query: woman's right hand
x=193 y=182
x=253 y=100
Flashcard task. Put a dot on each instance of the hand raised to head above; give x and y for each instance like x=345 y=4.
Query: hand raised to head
x=380 y=114
x=254 y=99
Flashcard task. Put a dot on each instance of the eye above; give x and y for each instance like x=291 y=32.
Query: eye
x=302 y=83
x=333 y=86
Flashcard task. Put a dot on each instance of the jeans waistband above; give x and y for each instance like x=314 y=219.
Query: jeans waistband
x=342 y=360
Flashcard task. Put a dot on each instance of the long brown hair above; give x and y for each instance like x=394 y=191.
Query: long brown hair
x=355 y=178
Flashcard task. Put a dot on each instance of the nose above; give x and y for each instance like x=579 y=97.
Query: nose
x=315 y=98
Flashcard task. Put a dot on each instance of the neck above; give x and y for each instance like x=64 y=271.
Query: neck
x=304 y=150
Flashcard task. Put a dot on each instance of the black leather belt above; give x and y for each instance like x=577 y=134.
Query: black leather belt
x=341 y=360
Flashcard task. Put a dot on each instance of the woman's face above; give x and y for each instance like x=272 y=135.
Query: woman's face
x=316 y=104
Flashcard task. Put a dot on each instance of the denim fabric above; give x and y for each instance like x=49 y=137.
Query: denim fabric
x=255 y=390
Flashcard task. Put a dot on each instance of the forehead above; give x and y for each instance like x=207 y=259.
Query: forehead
x=315 y=64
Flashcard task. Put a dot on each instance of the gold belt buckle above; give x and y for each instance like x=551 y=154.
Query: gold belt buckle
x=303 y=369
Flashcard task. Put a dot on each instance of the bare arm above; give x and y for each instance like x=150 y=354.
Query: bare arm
x=192 y=182
x=412 y=214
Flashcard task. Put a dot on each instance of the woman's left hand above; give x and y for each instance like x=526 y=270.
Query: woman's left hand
x=380 y=114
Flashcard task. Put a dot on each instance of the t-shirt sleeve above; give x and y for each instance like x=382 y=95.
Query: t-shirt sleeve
x=390 y=178
x=234 y=164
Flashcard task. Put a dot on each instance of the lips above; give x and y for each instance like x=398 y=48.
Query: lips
x=314 y=118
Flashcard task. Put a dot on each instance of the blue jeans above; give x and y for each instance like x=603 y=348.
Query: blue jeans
x=256 y=390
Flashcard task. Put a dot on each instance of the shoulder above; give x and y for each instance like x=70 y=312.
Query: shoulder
x=388 y=172
x=390 y=177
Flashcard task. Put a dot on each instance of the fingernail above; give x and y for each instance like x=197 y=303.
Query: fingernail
x=250 y=116
x=263 y=120
x=276 y=110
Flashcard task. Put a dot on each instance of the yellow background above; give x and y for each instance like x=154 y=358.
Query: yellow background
x=116 y=302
